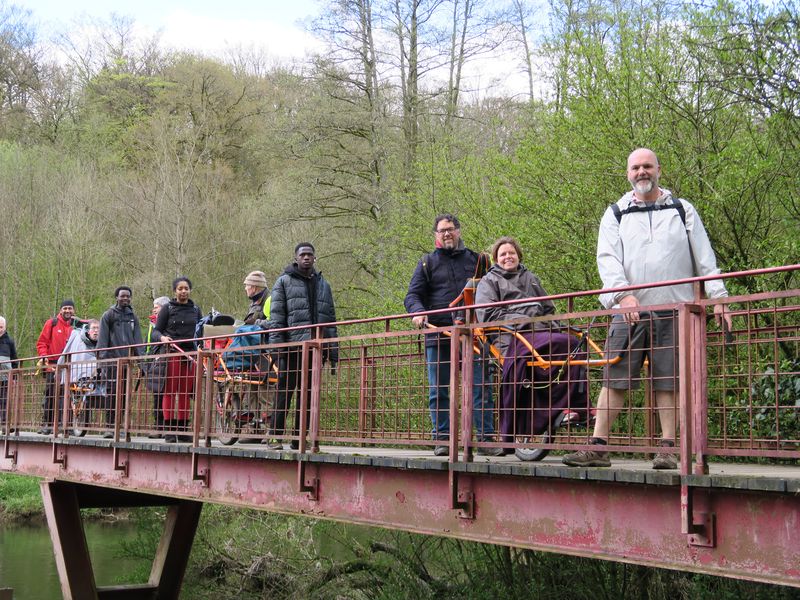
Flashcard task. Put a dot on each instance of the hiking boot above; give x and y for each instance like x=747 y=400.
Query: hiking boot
x=490 y=451
x=45 y=431
x=441 y=451
x=587 y=458
x=665 y=459
x=273 y=444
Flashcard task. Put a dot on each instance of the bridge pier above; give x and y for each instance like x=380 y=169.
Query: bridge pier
x=63 y=502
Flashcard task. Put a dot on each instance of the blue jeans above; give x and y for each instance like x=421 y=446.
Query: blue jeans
x=438 y=362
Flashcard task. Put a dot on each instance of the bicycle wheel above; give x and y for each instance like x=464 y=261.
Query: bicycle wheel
x=251 y=424
x=80 y=418
x=226 y=414
x=535 y=454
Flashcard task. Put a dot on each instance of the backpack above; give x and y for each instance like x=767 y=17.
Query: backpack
x=240 y=354
x=676 y=204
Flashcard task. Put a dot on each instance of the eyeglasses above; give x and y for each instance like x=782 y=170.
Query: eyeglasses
x=446 y=230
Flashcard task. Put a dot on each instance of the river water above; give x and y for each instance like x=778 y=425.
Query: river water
x=27 y=564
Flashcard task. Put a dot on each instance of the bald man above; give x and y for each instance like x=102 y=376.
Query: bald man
x=647 y=236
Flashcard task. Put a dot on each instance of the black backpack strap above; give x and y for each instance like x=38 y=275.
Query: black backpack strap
x=425 y=271
x=676 y=204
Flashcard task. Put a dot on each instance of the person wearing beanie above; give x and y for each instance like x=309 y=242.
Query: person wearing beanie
x=255 y=286
x=54 y=336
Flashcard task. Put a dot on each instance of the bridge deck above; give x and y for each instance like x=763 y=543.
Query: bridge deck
x=733 y=475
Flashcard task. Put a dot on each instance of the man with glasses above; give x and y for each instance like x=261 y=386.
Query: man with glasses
x=439 y=278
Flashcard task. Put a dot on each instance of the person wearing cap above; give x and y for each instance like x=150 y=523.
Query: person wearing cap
x=119 y=327
x=255 y=286
x=52 y=340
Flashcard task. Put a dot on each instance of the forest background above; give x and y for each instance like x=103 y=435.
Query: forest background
x=123 y=161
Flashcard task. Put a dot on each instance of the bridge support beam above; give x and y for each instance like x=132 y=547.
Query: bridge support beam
x=63 y=502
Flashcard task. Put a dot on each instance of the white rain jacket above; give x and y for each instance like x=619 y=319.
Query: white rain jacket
x=647 y=247
x=82 y=362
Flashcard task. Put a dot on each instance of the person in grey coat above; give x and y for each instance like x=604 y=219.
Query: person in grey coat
x=300 y=296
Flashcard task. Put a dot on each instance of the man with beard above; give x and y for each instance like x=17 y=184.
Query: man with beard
x=646 y=237
x=300 y=296
x=119 y=326
x=438 y=280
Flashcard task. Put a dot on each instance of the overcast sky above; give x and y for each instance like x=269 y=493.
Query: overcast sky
x=205 y=25
x=213 y=26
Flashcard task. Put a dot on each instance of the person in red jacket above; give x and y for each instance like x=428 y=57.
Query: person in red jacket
x=50 y=345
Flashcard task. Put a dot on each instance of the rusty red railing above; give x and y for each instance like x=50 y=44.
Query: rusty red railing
x=736 y=394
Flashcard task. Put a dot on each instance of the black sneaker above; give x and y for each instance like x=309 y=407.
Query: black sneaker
x=108 y=435
x=441 y=451
x=45 y=431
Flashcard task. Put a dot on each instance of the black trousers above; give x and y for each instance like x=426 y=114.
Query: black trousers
x=289 y=372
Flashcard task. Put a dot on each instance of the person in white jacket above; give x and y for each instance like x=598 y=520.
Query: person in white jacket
x=646 y=237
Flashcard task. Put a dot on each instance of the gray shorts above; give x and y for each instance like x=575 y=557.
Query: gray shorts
x=655 y=337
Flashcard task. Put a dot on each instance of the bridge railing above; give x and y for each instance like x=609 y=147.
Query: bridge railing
x=736 y=395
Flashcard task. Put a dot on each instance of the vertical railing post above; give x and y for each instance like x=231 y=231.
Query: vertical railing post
x=455 y=347
x=699 y=350
x=467 y=386
x=208 y=385
x=127 y=398
x=198 y=397
x=685 y=412
x=316 y=390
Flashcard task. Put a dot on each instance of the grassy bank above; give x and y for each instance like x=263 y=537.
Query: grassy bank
x=251 y=555
x=20 y=498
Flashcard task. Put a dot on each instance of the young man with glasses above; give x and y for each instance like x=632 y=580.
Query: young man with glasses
x=439 y=278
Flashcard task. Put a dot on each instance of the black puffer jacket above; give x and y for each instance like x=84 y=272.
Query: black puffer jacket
x=119 y=327
x=179 y=321
x=299 y=300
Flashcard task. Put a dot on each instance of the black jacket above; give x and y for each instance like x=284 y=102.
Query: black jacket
x=299 y=300
x=8 y=348
x=438 y=280
x=179 y=321
x=119 y=327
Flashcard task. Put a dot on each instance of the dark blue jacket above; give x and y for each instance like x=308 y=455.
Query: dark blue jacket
x=8 y=348
x=438 y=280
